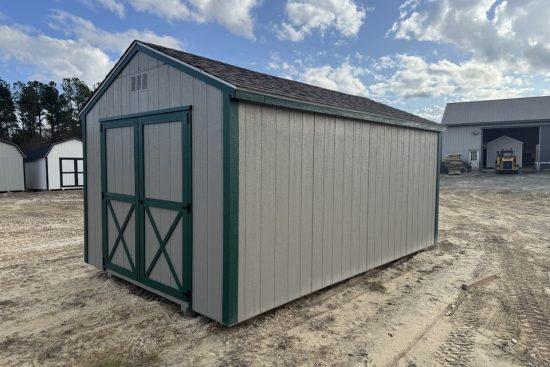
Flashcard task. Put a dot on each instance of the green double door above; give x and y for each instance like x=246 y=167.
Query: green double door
x=146 y=200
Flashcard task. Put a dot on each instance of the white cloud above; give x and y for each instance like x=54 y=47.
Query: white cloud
x=54 y=58
x=84 y=53
x=115 y=6
x=414 y=77
x=86 y=31
x=236 y=15
x=306 y=16
x=515 y=33
x=345 y=77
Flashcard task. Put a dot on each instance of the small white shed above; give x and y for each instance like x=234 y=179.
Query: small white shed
x=55 y=166
x=503 y=143
x=12 y=175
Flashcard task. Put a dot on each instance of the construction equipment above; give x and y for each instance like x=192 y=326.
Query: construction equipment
x=506 y=162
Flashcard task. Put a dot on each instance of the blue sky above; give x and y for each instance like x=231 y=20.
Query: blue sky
x=415 y=55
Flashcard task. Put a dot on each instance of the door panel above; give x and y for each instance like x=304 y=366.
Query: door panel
x=120 y=203
x=162 y=143
x=165 y=157
x=121 y=249
x=146 y=184
x=119 y=150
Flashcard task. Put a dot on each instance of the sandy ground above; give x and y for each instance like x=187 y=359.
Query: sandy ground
x=56 y=310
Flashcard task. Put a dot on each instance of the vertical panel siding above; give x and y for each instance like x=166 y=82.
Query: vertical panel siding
x=461 y=139
x=324 y=198
x=306 y=210
x=168 y=87
x=11 y=168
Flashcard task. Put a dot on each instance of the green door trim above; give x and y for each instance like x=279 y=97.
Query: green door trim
x=140 y=205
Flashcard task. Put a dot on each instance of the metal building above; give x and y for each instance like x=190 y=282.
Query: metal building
x=55 y=166
x=472 y=125
x=12 y=174
x=234 y=192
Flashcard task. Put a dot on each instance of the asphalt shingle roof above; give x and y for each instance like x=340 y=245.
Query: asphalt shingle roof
x=268 y=84
x=39 y=152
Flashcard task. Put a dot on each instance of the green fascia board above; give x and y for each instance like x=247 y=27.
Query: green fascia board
x=230 y=210
x=138 y=47
x=255 y=97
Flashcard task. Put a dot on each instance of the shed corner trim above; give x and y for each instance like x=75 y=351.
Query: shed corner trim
x=230 y=211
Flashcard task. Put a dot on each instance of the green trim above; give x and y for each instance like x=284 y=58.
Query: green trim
x=85 y=192
x=437 y=186
x=334 y=111
x=230 y=210
x=137 y=47
x=142 y=115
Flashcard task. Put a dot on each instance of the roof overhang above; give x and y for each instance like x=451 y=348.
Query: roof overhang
x=522 y=123
x=278 y=101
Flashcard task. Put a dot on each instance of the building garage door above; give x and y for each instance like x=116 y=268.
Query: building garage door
x=146 y=185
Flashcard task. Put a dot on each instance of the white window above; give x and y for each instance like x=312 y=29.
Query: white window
x=473 y=155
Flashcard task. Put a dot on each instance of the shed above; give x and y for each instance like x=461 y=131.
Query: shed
x=233 y=192
x=503 y=143
x=12 y=174
x=55 y=166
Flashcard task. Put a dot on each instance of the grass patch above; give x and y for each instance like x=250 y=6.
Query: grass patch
x=376 y=286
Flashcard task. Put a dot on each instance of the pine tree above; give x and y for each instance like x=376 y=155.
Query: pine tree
x=8 y=119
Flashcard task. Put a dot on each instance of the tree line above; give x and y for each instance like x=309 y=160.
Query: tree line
x=34 y=113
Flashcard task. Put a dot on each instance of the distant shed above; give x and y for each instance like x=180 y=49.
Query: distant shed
x=503 y=143
x=234 y=192
x=12 y=174
x=55 y=166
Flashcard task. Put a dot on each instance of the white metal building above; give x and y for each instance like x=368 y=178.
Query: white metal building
x=503 y=143
x=55 y=166
x=234 y=192
x=12 y=174
x=472 y=125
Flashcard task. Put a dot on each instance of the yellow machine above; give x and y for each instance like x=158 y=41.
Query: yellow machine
x=506 y=162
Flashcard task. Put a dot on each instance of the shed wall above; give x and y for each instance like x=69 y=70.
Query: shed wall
x=322 y=199
x=35 y=174
x=461 y=140
x=68 y=149
x=11 y=168
x=503 y=143
x=169 y=87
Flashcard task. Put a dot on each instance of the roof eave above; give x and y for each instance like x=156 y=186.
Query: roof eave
x=278 y=101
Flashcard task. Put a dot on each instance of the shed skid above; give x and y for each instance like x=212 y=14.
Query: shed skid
x=234 y=200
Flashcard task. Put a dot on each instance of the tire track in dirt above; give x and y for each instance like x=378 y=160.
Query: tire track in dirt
x=534 y=315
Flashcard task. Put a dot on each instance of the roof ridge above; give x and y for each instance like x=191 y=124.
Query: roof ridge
x=405 y=115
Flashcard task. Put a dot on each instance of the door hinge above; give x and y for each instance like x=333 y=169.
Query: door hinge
x=188 y=208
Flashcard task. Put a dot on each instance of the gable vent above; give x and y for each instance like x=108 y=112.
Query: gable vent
x=138 y=82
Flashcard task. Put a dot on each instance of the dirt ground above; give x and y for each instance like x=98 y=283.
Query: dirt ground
x=56 y=310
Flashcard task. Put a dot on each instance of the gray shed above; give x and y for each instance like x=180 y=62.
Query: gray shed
x=233 y=192
x=12 y=174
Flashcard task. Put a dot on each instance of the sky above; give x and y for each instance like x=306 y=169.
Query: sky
x=416 y=55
